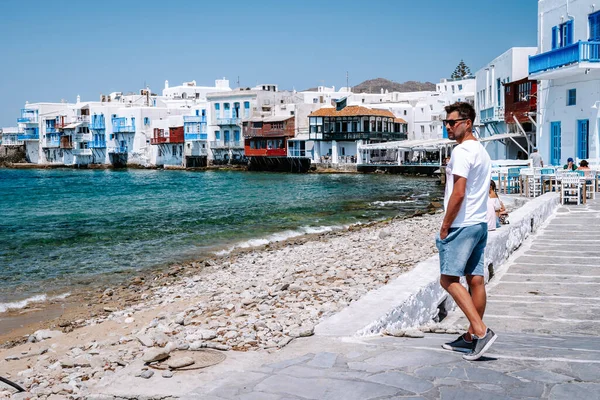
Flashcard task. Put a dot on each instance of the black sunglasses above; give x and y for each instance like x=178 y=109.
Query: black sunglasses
x=453 y=122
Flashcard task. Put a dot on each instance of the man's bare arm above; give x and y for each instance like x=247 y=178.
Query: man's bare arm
x=456 y=199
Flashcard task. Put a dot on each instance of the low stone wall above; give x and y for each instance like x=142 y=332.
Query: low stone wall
x=414 y=298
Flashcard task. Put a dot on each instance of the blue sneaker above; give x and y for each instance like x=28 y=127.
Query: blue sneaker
x=481 y=345
x=459 y=344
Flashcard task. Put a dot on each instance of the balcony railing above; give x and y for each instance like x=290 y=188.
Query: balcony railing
x=11 y=141
x=348 y=136
x=51 y=129
x=260 y=132
x=28 y=136
x=97 y=124
x=492 y=114
x=97 y=144
x=124 y=128
x=567 y=55
x=52 y=142
x=236 y=145
x=298 y=153
x=195 y=136
x=218 y=144
x=82 y=152
x=228 y=121
x=83 y=118
x=119 y=150
x=194 y=119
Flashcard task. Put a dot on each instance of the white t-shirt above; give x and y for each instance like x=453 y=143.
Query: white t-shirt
x=536 y=159
x=470 y=160
x=491 y=214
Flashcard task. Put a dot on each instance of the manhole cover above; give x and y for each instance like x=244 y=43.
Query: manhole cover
x=202 y=358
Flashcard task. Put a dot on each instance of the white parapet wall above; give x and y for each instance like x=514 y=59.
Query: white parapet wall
x=413 y=298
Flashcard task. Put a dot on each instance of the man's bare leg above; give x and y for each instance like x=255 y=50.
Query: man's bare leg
x=477 y=288
x=464 y=301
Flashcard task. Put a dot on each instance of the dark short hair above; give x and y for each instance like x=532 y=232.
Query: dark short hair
x=583 y=163
x=465 y=110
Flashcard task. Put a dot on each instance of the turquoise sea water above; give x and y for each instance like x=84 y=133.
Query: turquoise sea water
x=60 y=228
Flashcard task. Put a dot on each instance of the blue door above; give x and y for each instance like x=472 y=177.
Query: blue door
x=236 y=136
x=583 y=138
x=555 y=143
x=226 y=136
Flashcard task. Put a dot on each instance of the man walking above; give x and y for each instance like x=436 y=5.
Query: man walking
x=536 y=159
x=463 y=235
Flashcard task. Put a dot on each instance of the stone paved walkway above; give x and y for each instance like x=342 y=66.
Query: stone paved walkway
x=545 y=307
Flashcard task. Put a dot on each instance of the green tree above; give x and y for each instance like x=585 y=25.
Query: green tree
x=461 y=71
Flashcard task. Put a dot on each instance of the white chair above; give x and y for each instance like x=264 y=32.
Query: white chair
x=532 y=181
x=589 y=178
x=570 y=187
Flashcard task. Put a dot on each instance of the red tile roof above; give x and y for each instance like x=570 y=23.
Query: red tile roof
x=351 y=111
x=400 y=121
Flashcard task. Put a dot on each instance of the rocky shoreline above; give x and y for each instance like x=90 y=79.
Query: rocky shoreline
x=250 y=300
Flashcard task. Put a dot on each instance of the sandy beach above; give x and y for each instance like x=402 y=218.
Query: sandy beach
x=249 y=300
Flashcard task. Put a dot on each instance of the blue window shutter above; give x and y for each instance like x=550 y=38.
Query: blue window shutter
x=197 y=113
x=554 y=34
x=569 y=28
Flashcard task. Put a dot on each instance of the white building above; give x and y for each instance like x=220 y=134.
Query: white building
x=567 y=67
x=229 y=109
x=489 y=97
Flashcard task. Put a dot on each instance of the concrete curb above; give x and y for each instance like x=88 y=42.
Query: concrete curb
x=413 y=298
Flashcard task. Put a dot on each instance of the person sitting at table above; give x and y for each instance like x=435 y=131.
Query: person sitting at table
x=583 y=166
x=570 y=165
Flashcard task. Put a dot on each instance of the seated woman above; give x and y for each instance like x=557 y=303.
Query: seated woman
x=496 y=206
x=583 y=166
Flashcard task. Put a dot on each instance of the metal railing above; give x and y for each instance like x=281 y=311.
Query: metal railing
x=53 y=142
x=82 y=152
x=195 y=136
x=119 y=150
x=298 y=153
x=123 y=128
x=563 y=56
x=194 y=119
x=228 y=121
x=97 y=144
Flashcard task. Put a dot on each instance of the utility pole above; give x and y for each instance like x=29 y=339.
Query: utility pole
x=347 y=85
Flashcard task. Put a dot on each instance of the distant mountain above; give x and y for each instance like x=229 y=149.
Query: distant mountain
x=375 y=86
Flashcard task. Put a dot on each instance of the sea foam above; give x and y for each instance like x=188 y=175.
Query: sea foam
x=279 y=237
x=16 y=305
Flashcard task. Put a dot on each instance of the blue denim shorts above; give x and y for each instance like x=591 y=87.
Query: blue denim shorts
x=461 y=252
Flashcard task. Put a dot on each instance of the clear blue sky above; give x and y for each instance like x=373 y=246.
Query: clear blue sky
x=53 y=50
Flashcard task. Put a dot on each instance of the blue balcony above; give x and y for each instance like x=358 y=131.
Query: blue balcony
x=29 y=134
x=119 y=150
x=195 y=136
x=492 y=114
x=194 y=119
x=124 y=128
x=28 y=116
x=51 y=129
x=577 y=55
x=97 y=144
x=97 y=123
x=52 y=141
x=228 y=121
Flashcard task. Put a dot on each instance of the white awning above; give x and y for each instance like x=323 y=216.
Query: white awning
x=502 y=136
x=73 y=126
x=420 y=144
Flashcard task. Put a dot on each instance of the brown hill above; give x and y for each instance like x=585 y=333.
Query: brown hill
x=375 y=86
